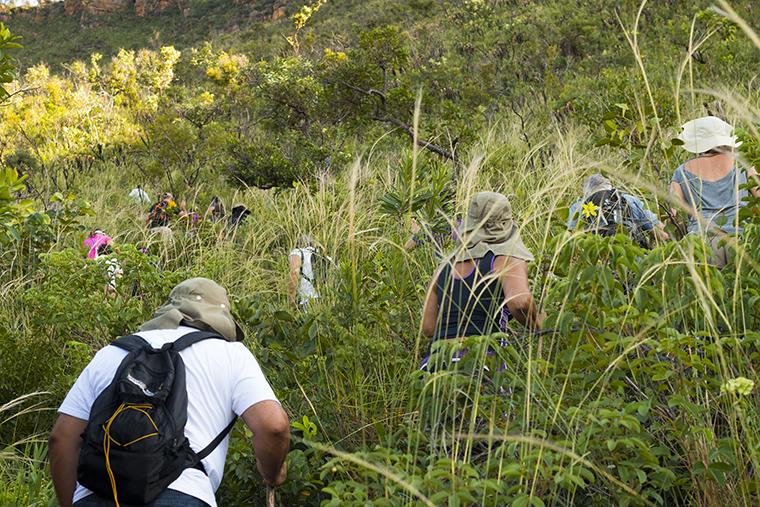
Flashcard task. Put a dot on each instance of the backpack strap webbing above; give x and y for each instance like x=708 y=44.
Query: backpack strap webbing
x=191 y=338
x=217 y=440
x=130 y=343
x=303 y=265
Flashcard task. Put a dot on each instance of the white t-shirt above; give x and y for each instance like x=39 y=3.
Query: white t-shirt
x=113 y=267
x=223 y=379
x=306 y=289
x=139 y=195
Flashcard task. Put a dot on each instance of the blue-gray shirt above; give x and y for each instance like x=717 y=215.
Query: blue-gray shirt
x=717 y=201
x=640 y=215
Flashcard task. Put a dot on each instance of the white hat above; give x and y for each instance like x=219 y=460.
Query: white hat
x=707 y=133
x=595 y=183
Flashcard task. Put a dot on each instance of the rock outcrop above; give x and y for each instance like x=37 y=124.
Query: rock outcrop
x=148 y=7
x=88 y=11
x=100 y=7
x=95 y=7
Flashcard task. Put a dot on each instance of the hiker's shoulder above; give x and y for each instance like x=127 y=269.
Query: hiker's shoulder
x=632 y=200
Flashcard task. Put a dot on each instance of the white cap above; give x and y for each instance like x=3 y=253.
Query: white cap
x=707 y=133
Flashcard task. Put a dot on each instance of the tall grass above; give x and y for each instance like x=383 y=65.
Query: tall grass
x=449 y=413
x=22 y=463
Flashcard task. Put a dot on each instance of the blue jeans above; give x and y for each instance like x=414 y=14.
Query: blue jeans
x=168 y=498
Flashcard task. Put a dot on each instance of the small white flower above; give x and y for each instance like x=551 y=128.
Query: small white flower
x=739 y=385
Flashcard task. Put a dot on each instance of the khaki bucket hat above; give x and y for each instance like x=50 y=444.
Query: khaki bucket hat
x=200 y=303
x=707 y=133
x=489 y=227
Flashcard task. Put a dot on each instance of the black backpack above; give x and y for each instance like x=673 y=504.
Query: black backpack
x=321 y=265
x=238 y=215
x=134 y=444
x=158 y=216
x=612 y=215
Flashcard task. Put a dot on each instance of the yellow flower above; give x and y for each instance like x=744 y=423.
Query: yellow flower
x=589 y=209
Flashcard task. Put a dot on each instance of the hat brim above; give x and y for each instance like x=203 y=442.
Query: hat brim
x=208 y=324
x=219 y=321
x=693 y=145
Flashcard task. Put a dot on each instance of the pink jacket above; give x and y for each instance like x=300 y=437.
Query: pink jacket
x=93 y=242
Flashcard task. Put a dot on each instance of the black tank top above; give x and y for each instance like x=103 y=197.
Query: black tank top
x=471 y=305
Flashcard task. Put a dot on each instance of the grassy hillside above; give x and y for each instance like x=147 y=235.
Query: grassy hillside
x=344 y=123
x=55 y=38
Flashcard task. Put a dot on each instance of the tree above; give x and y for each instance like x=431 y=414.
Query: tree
x=7 y=66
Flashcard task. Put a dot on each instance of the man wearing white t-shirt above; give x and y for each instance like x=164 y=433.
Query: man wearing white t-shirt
x=223 y=381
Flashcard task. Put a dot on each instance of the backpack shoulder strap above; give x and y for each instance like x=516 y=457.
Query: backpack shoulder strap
x=191 y=338
x=131 y=343
x=217 y=440
x=312 y=254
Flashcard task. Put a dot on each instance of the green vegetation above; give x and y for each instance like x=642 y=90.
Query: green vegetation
x=345 y=122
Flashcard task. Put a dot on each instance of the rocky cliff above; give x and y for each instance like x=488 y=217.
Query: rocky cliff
x=99 y=7
x=90 y=10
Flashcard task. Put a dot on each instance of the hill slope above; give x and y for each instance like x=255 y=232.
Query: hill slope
x=640 y=390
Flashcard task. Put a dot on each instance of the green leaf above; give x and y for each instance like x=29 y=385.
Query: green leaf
x=521 y=501
x=663 y=375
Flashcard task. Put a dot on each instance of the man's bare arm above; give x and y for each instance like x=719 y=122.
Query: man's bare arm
x=63 y=449
x=294 y=276
x=271 y=439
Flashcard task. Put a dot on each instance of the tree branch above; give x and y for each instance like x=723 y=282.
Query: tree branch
x=438 y=150
x=382 y=115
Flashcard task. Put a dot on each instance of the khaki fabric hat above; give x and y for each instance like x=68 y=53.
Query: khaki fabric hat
x=489 y=227
x=199 y=303
x=707 y=133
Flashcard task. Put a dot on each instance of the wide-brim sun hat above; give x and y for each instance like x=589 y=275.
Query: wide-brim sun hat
x=707 y=133
x=593 y=184
x=200 y=303
x=489 y=227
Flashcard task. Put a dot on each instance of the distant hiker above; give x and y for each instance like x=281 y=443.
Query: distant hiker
x=100 y=248
x=708 y=186
x=605 y=210
x=96 y=238
x=160 y=213
x=238 y=215
x=106 y=255
x=148 y=420
x=309 y=267
x=485 y=282
x=215 y=211
x=139 y=195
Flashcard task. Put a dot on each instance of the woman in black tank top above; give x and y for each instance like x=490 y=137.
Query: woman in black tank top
x=487 y=274
x=469 y=305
